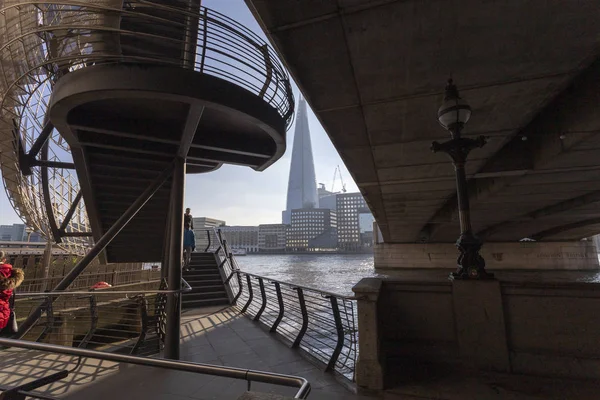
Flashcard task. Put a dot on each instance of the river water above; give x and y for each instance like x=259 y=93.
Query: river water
x=329 y=272
x=339 y=272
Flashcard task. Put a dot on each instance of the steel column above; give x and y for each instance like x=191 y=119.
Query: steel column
x=164 y=267
x=104 y=241
x=173 y=309
x=47 y=200
x=47 y=259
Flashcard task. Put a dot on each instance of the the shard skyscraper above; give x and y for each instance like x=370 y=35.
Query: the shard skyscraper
x=302 y=185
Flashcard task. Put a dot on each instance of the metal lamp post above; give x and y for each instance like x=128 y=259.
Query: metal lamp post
x=453 y=115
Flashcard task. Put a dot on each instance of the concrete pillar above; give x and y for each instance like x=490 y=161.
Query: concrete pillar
x=480 y=327
x=369 y=367
x=580 y=255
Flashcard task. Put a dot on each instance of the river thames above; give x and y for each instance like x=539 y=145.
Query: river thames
x=338 y=273
x=330 y=272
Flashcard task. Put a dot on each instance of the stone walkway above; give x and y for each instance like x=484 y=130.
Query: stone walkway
x=218 y=336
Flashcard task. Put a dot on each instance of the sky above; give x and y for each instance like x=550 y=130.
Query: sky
x=240 y=195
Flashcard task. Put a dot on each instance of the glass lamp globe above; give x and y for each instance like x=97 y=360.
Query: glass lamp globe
x=454 y=112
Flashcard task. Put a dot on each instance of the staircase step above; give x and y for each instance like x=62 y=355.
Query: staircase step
x=206 y=282
x=206 y=289
x=199 y=281
x=205 y=303
x=201 y=275
x=199 y=286
x=204 y=295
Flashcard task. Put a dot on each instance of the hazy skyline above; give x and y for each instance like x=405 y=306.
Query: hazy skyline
x=239 y=195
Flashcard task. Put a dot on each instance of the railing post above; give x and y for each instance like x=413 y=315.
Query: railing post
x=204 y=37
x=304 y=318
x=281 y=308
x=250 y=295
x=173 y=309
x=263 y=296
x=240 y=285
x=191 y=34
x=93 y=323
x=269 y=68
x=339 y=327
x=143 y=306
x=208 y=246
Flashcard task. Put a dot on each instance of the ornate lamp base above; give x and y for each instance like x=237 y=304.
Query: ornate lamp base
x=470 y=263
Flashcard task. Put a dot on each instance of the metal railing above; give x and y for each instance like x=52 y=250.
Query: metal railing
x=207 y=369
x=84 y=281
x=125 y=321
x=41 y=41
x=322 y=324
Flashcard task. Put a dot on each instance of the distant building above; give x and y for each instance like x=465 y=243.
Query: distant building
x=355 y=222
x=16 y=248
x=323 y=192
x=302 y=183
x=18 y=233
x=205 y=222
x=272 y=237
x=241 y=237
x=328 y=201
x=13 y=233
x=309 y=224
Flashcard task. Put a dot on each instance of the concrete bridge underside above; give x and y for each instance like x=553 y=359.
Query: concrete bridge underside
x=374 y=73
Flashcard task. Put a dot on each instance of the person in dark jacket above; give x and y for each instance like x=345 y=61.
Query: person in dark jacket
x=188 y=220
x=10 y=279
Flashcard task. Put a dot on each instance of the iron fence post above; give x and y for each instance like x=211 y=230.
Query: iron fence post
x=340 y=334
x=250 y=294
x=263 y=296
x=240 y=285
x=204 y=37
x=143 y=307
x=208 y=246
x=304 y=318
x=281 y=308
x=93 y=322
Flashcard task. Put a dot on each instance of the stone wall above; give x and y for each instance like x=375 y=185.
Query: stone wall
x=525 y=328
x=580 y=255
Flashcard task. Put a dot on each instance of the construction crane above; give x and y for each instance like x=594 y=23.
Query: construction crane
x=338 y=172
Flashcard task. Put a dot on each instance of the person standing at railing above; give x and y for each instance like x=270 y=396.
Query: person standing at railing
x=10 y=279
x=189 y=245
x=188 y=220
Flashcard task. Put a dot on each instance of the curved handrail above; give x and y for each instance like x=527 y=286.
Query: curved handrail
x=208 y=369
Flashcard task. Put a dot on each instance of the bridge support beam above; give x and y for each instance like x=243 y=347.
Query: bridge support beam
x=578 y=255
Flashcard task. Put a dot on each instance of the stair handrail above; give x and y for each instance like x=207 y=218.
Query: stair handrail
x=185 y=289
x=248 y=375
